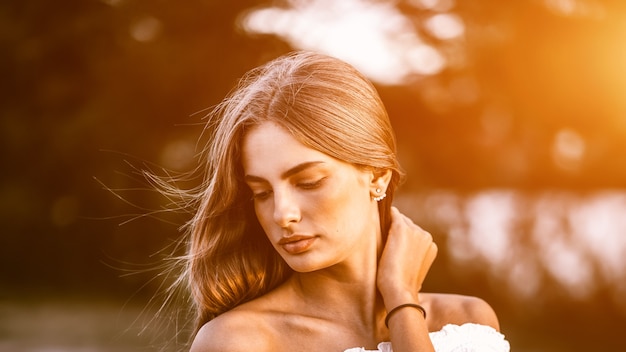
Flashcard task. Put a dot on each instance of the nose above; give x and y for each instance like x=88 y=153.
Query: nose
x=286 y=209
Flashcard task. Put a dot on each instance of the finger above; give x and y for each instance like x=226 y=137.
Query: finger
x=429 y=258
x=423 y=236
x=399 y=219
x=432 y=253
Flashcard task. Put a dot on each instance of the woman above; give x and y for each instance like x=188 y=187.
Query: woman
x=295 y=245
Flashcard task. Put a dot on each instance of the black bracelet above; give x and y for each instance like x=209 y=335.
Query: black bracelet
x=412 y=305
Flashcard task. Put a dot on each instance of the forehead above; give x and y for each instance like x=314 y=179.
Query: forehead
x=268 y=146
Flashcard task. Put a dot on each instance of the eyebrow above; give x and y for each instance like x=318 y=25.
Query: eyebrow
x=294 y=170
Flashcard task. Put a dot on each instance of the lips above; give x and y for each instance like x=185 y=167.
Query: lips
x=297 y=244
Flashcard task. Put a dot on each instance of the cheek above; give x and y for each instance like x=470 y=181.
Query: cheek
x=347 y=204
x=263 y=215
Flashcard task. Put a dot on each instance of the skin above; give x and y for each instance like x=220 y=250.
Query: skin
x=345 y=278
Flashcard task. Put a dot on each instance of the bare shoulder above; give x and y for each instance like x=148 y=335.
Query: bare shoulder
x=457 y=309
x=234 y=331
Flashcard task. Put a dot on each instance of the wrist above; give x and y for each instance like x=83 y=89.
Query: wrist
x=404 y=306
x=397 y=298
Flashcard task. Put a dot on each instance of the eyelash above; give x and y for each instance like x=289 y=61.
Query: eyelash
x=311 y=185
x=261 y=195
x=304 y=185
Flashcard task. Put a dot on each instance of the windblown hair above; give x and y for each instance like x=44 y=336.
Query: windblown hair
x=326 y=105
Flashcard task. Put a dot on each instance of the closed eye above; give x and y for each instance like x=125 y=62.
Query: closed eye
x=261 y=195
x=311 y=185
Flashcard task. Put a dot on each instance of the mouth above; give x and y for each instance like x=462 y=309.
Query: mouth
x=296 y=244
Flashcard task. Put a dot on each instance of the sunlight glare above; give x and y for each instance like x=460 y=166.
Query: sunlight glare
x=576 y=8
x=600 y=225
x=375 y=37
x=566 y=262
x=568 y=149
x=445 y=26
x=531 y=242
x=146 y=29
x=491 y=216
x=523 y=277
x=433 y=5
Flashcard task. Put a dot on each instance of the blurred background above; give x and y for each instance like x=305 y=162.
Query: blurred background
x=510 y=117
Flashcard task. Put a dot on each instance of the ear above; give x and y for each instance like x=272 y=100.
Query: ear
x=379 y=182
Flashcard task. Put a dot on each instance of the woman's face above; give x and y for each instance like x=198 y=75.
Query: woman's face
x=316 y=210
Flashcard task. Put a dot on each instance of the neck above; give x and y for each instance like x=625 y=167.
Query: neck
x=346 y=291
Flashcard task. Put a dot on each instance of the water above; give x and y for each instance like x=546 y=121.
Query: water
x=536 y=245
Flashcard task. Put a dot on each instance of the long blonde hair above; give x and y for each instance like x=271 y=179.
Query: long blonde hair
x=327 y=105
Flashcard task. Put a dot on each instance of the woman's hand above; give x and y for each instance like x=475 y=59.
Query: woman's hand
x=405 y=261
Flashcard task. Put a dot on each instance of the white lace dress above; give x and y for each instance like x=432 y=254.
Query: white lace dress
x=458 y=338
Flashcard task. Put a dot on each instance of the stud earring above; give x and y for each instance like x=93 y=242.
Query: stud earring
x=380 y=197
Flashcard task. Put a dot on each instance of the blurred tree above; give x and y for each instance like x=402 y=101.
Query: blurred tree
x=87 y=85
x=532 y=98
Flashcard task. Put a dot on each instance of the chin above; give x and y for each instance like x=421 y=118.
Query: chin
x=303 y=265
x=303 y=268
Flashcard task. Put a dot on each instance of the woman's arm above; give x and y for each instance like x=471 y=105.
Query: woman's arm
x=408 y=254
x=232 y=332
